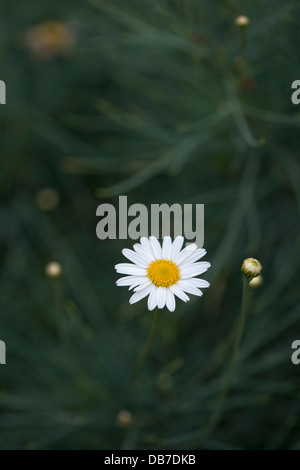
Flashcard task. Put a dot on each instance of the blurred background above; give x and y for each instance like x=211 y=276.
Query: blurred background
x=162 y=101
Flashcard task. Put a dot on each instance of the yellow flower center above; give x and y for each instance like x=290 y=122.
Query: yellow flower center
x=163 y=273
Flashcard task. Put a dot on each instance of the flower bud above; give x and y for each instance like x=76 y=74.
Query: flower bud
x=49 y=39
x=124 y=418
x=256 y=282
x=47 y=199
x=53 y=270
x=251 y=267
x=242 y=21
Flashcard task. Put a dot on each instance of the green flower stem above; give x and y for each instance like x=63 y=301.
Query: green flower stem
x=140 y=362
x=58 y=298
x=243 y=39
x=240 y=329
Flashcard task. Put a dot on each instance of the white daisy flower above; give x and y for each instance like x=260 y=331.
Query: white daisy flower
x=163 y=272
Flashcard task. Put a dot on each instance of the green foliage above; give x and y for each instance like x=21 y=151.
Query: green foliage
x=165 y=101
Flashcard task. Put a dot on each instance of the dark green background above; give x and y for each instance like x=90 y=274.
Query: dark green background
x=164 y=101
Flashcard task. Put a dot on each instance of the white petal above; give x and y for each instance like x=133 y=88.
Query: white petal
x=147 y=246
x=192 y=257
x=152 y=299
x=137 y=296
x=194 y=281
x=167 y=248
x=184 y=254
x=126 y=268
x=161 y=297
x=156 y=248
x=143 y=284
x=179 y=292
x=191 y=270
x=187 y=287
x=177 y=245
x=149 y=257
x=170 y=301
x=130 y=280
x=135 y=258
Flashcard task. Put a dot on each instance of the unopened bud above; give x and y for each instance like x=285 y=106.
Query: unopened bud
x=251 y=268
x=124 y=418
x=242 y=21
x=53 y=270
x=256 y=282
x=49 y=39
x=47 y=199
